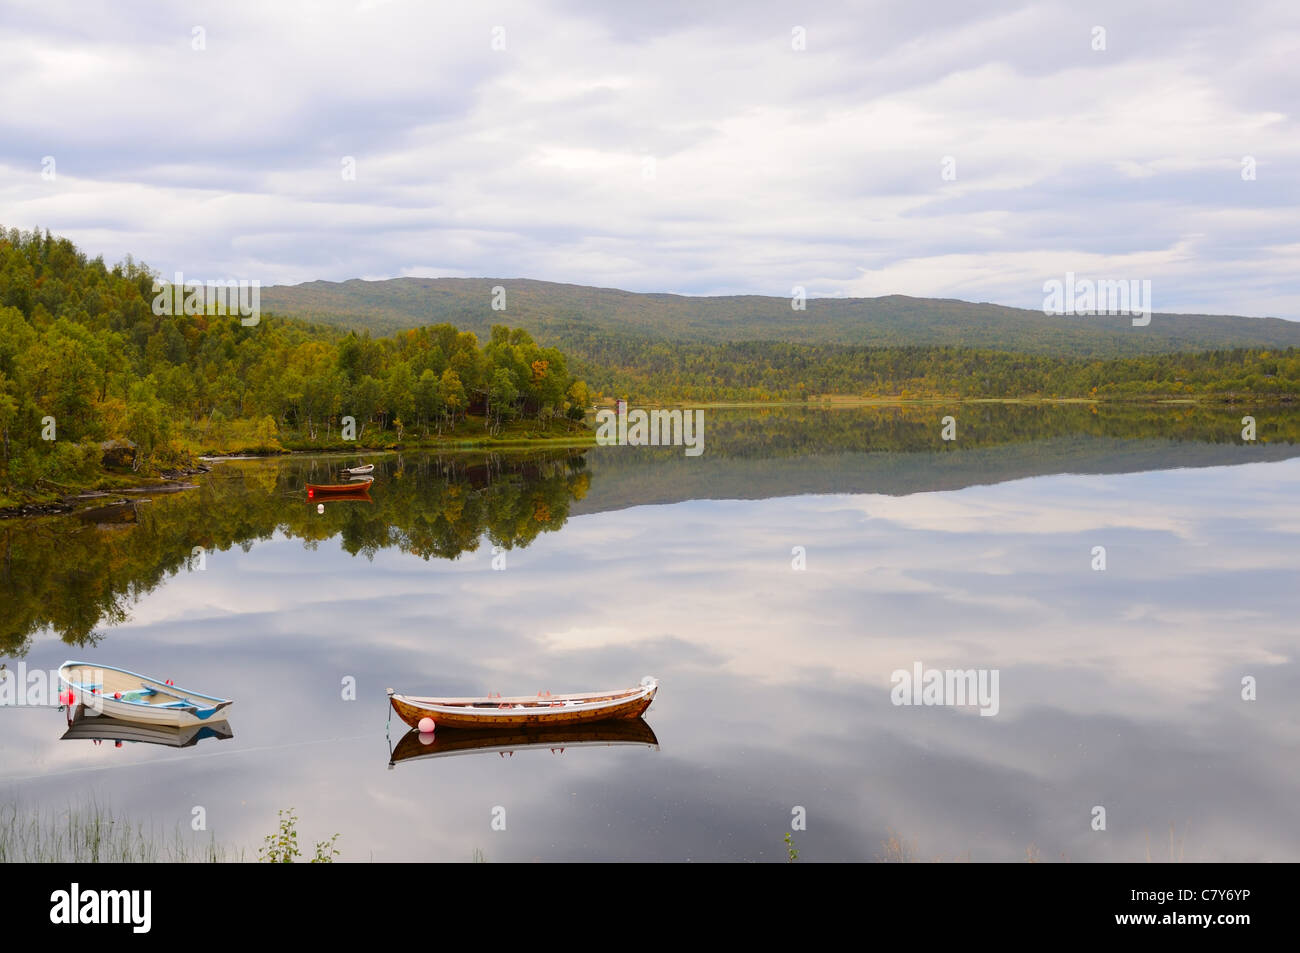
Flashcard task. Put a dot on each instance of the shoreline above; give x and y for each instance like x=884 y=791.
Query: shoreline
x=98 y=494
x=79 y=499
x=69 y=499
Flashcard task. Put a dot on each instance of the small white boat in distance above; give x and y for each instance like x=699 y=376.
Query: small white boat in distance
x=130 y=696
x=358 y=471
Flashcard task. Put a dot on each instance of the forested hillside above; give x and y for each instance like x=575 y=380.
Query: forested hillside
x=669 y=347
x=573 y=315
x=85 y=361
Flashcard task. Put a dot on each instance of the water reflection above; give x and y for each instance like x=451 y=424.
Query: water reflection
x=1120 y=688
x=77 y=575
x=85 y=726
x=447 y=742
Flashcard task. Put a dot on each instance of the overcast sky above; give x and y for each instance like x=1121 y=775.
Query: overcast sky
x=662 y=147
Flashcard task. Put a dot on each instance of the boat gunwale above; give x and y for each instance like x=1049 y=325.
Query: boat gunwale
x=586 y=701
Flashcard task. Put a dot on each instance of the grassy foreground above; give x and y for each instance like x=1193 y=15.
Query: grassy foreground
x=94 y=835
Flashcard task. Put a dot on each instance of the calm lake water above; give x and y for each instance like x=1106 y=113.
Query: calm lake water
x=1119 y=688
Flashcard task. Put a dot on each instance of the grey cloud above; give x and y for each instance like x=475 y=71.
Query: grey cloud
x=821 y=164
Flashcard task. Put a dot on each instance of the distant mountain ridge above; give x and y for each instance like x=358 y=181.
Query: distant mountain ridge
x=565 y=315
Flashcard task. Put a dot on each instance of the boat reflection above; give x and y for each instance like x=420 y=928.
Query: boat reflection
x=102 y=728
x=360 y=495
x=451 y=741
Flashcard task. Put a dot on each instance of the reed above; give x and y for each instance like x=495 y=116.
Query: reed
x=94 y=834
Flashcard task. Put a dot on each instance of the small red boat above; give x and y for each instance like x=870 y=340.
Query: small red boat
x=337 y=489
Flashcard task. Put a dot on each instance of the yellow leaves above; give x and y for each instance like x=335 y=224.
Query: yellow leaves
x=112 y=414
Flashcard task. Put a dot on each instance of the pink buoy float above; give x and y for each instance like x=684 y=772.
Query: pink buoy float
x=426 y=726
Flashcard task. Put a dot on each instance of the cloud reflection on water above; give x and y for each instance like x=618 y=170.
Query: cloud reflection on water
x=1118 y=688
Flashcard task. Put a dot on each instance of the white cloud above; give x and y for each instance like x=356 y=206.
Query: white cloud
x=772 y=167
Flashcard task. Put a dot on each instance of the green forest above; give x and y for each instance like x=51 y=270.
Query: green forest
x=91 y=377
x=776 y=370
x=88 y=369
x=671 y=348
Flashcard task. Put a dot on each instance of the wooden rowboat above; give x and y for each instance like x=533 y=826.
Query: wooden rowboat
x=131 y=696
x=358 y=471
x=449 y=742
x=497 y=712
x=104 y=728
x=333 y=489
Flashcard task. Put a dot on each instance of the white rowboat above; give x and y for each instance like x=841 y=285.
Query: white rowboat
x=131 y=696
